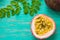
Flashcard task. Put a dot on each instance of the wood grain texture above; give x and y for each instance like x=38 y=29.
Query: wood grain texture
x=18 y=27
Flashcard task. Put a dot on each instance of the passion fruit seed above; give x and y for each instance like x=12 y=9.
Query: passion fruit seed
x=38 y=21
x=38 y=25
x=44 y=25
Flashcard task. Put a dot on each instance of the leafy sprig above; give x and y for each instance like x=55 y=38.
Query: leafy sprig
x=14 y=8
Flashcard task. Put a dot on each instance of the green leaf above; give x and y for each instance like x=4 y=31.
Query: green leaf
x=5 y=10
x=20 y=0
x=35 y=11
x=15 y=0
x=24 y=5
x=24 y=2
x=17 y=11
x=26 y=11
x=31 y=11
x=37 y=7
x=36 y=3
x=8 y=14
x=1 y=14
x=39 y=3
x=4 y=13
x=14 y=3
x=9 y=7
x=13 y=12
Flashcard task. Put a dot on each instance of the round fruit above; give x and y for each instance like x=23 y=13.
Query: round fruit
x=54 y=4
x=42 y=26
x=58 y=2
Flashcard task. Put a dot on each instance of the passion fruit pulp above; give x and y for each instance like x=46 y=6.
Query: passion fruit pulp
x=42 y=26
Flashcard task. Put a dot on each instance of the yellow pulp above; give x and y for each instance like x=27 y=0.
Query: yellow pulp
x=42 y=25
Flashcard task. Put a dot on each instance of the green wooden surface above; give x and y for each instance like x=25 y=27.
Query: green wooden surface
x=18 y=27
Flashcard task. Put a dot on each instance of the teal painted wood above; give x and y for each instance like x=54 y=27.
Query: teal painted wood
x=18 y=27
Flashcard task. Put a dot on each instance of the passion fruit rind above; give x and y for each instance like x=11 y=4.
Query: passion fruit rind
x=54 y=4
x=48 y=32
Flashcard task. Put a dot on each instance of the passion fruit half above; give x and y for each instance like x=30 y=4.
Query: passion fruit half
x=42 y=26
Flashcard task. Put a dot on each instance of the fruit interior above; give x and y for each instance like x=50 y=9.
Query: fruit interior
x=42 y=25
